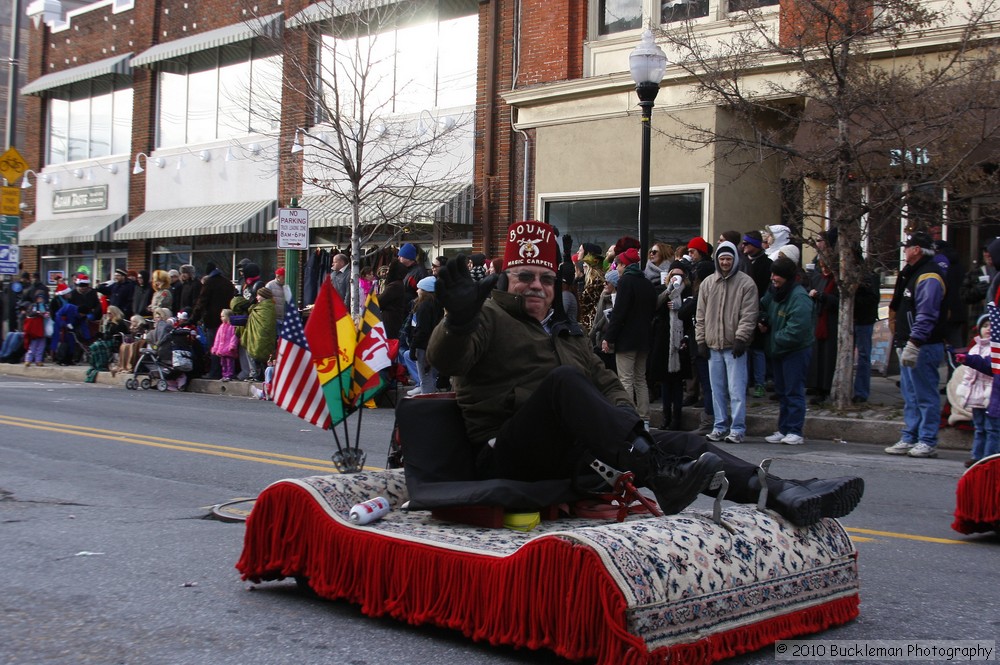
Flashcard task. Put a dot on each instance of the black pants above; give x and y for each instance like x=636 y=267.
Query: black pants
x=567 y=422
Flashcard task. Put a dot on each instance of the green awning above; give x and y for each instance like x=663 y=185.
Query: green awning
x=57 y=231
x=249 y=217
x=118 y=64
x=264 y=26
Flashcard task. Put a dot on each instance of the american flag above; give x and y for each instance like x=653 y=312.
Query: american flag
x=296 y=385
x=994 y=313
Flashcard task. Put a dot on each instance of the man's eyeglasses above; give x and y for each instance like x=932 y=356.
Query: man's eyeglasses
x=530 y=277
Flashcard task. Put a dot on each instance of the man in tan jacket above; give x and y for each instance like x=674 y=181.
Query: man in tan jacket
x=723 y=327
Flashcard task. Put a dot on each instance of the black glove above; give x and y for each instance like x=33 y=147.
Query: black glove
x=413 y=355
x=739 y=348
x=461 y=296
x=703 y=350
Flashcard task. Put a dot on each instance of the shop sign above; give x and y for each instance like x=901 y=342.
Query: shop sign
x=82 y=198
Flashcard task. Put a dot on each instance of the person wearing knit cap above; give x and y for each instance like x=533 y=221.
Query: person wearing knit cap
x=537 y=404
x=427 y=312
x=787 y=327
x=601 y=317
x=190 y=289
x=627 y=334
x=724 y=325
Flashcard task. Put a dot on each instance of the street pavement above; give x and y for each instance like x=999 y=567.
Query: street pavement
x=878 y=422
x=104 y=493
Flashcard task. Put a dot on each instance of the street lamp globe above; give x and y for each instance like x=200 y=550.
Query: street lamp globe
x=647 y=62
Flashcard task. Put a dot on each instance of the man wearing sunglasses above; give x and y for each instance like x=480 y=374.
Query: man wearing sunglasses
x=540 y=405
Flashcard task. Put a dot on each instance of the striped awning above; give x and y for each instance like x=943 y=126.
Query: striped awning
x=250 y=217
x=450 y=202
x=118 y=64
x=329 y=9
x=264 y=26
x=57 y=231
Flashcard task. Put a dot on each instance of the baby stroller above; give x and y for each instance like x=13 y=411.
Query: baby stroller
x=155 y=361
x=149 y=368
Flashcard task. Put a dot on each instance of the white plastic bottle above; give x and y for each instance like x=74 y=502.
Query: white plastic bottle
x=369 y=511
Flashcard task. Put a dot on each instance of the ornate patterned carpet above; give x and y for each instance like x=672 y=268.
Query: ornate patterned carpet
x=649 y=590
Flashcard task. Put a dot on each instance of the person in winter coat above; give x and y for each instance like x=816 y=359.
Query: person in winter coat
x=980 y=394
x=216 y=294
x=602 y=317
x=826 y=298
x=120 y=291
x=392 y=300
x=661 y=255
x=426 y=315
x=142 y=295
x=629 y=329
x=162 y=298
x=724 y=325
x=225 y=348
x=669 y=361
x=189 y=290
x=251 y=283
x=866 y=303
x=260 y=334
x=789 y=325
x=35 y=318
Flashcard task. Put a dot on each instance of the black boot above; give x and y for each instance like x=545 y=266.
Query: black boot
x=676 y=481
x=679 y=480
x=805 y=502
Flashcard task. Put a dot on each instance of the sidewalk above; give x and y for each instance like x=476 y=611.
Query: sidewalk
x=878 y=422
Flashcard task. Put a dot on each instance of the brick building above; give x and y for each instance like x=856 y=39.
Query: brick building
x=168 y=132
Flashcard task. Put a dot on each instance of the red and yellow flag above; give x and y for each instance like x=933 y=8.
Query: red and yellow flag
x=332 y=339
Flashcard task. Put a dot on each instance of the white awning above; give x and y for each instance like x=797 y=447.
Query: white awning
x=264 y=26
x=328 y=9
x=118 y=64
x=73 y=229
x=250 y=217
x=450 y=202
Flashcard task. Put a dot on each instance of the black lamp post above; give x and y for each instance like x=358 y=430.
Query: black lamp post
x=647 y=63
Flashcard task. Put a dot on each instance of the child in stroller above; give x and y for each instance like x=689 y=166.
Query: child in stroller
x=156 y=361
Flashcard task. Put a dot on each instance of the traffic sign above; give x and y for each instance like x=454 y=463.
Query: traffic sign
x=10 y=201
x=8 y=230
x=12 y=165
x=10 y=259
x=293 y=228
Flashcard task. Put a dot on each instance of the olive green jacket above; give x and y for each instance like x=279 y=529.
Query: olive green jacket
x=497 y=366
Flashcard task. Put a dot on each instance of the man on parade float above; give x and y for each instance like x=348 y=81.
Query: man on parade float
x=540 y=405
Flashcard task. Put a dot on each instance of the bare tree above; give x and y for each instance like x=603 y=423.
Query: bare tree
x=377 y=137
x=867 y=106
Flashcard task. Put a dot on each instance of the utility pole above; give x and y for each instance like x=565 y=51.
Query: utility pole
x=12 y=70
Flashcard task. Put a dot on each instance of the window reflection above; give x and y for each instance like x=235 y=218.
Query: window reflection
x=619 y=15
x=406 y=70
x=86 y=118
x=682 y=10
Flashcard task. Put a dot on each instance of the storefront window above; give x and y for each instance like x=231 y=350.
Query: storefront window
x=682 y=10
x=674 y=218
x=90 y=119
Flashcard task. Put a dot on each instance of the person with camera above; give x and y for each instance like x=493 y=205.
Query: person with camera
x=787 y=321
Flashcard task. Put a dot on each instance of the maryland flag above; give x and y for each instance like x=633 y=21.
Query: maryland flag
x=332 y=339
x=371 y=354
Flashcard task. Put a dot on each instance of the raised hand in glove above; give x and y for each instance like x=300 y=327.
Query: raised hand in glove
x=908 y=357
x=461 y=296
x=739 y=348
x=703 y=350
